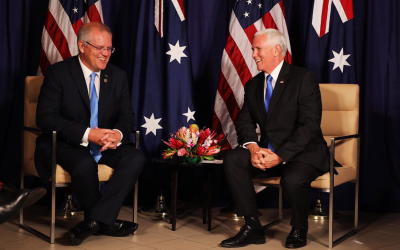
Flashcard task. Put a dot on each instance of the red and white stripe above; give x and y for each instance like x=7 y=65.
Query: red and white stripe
x=159 y=16
x=159 y=13
x=238 y=67
x=322 y=13
x=180 y=9
x=59 y=36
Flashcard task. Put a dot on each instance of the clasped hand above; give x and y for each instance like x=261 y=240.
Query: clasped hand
x=263 y=158
x=106 y=138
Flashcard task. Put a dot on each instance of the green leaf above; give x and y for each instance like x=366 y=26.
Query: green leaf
x=209 y=158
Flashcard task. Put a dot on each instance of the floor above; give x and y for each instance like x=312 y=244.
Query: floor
x=376 y=231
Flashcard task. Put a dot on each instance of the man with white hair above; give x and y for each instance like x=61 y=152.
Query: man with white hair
x=285 y=101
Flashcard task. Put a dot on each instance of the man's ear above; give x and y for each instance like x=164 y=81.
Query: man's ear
x=80 y=46
x=278 y=50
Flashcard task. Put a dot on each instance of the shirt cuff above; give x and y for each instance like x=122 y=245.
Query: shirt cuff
x=247 y=143
x=120 y=142
x=85 y=140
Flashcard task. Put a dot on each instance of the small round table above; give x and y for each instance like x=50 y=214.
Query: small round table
x=175 y=166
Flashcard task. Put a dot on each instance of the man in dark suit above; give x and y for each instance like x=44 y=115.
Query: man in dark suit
x=86 y=100
x=285 y=102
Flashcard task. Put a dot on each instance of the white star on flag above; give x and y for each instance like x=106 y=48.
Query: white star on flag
x=260 y=5
x=176 y=52
x=75 y=9
x=246 y=14
x=189 y=115
x=339 y=60
x=248 y=2
x=151 y=124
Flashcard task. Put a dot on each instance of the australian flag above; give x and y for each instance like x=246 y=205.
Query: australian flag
x=162 y=87
x=330 y=42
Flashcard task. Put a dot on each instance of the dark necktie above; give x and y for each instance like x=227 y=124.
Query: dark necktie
x=94 y=122
x=268 y=95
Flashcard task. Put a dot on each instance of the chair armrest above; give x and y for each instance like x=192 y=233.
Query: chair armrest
x=345 y=137
x=31 y=129
x=331 y=160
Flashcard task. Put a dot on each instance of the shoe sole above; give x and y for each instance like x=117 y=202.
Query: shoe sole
x=256 y=242
x=73 y=240
x=290 y=246
x=121 y=234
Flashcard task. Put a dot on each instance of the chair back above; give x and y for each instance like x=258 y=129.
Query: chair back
x=32 y=90
x=340 y=114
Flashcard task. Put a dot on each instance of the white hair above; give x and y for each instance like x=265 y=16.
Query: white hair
x=274 y=37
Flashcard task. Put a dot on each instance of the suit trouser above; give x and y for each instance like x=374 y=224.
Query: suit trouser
x=296 y=178
x=127 y=162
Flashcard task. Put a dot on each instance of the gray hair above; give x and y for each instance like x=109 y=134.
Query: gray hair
x=274 y=37
x=86 y=29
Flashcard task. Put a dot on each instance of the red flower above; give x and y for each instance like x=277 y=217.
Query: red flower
x=203 y=136
x=174 y=143
x=220 y=138
x=201 y=150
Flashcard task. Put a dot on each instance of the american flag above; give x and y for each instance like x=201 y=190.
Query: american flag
x=63 y=20
x=238 y=66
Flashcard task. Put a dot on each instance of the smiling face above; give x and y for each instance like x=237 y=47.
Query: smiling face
x=267 y=57
x=93 y=58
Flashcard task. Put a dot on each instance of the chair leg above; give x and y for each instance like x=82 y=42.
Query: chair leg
x=53 y=212
x=280 y=203
x=331 y=218
x=52 y=225
x=279 y=220
x=356 y=206
x=21 y=212
x=135 y=203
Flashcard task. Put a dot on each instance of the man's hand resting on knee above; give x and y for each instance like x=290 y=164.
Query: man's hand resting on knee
x=106 y=138
x=270 y=158
x=263 y=158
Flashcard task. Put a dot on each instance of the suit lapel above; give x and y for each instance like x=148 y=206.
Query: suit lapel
x=260 y=96
x=279 y=86
x=105 y=89
x=80 y=82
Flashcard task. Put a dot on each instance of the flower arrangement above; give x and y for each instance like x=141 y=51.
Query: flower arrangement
x=192 y=143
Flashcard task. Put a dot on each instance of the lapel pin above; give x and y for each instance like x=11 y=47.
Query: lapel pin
x=281 y=82
x=105 y=80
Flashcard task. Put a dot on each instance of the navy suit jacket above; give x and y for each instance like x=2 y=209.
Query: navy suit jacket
x=293 y=122
x=64 y=106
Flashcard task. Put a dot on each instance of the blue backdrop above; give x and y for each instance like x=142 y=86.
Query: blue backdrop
x=376 y=52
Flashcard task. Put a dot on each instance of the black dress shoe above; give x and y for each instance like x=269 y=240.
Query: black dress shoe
x=82 y=230
x=11 y=201
x=297 y=238
x=121 y=228
x=246 y=236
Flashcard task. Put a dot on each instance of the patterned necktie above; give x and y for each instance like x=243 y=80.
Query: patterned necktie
x=94 y=122
x=268 y=95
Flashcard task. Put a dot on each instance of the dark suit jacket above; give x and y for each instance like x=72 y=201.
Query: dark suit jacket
x=64 y=106
x=292 y=124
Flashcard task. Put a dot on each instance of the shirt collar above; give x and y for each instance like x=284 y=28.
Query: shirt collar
x=276 y=71
x=86 y=70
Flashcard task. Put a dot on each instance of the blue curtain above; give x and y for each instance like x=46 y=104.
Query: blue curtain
x=377 y=39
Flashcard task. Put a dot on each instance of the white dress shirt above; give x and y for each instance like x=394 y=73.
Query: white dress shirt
x=86 y=74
